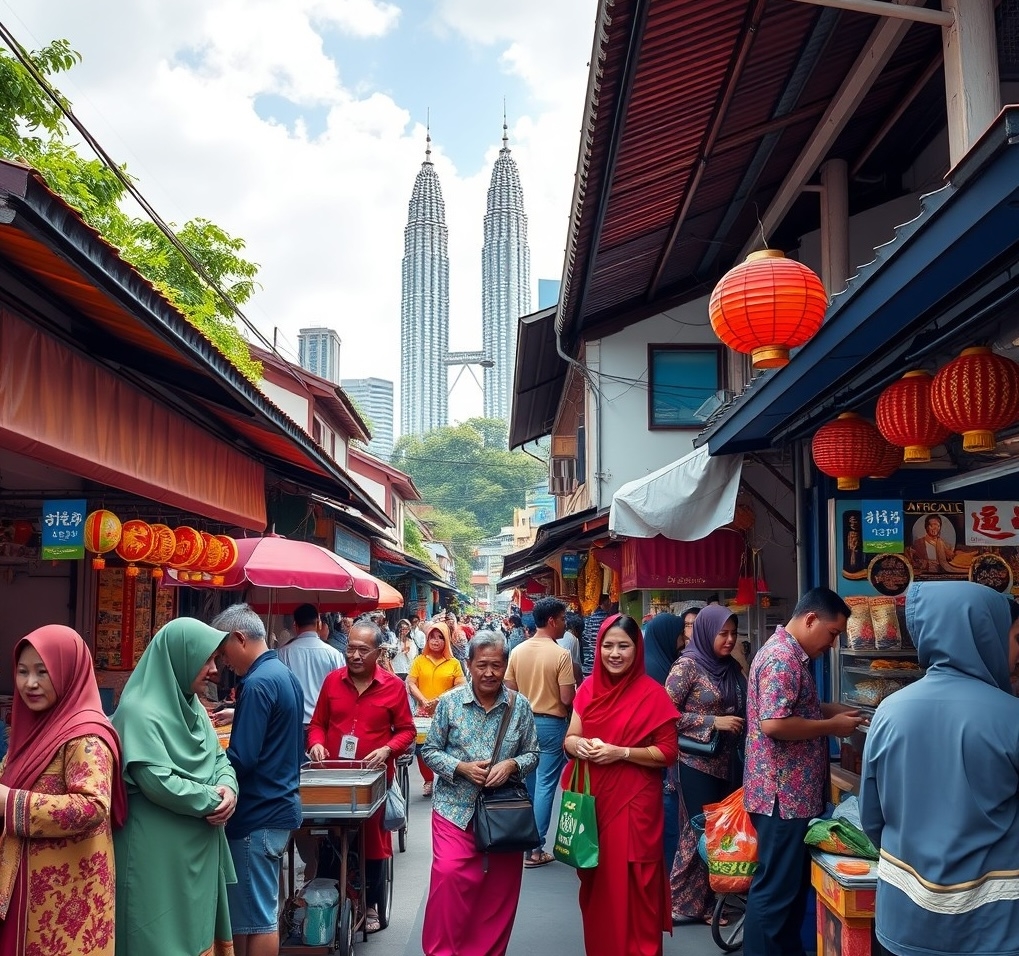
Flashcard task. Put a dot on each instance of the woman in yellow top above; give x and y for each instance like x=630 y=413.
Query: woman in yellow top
x=434 y=671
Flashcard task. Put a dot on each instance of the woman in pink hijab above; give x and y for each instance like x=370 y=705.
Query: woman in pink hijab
x=62 y=795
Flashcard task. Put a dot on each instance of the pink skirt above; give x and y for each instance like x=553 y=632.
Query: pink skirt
x=470 y=912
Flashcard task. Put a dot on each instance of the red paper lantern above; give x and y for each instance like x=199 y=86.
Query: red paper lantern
x=847 y=449
x=767 y=305
x=975 y=395
x=164 y=544
x=229 y=555
x=213 y=553
x=905 y=417
x=102 y=534
x=189 y=549
x=890 y=460
x=136 y=540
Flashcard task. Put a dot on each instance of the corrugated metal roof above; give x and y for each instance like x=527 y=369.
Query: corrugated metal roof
x=119 y=316
x=695 y=114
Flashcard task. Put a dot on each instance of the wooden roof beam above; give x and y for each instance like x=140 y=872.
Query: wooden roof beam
x=873 y=58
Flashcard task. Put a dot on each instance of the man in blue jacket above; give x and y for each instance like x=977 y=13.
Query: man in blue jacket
x=940 y=783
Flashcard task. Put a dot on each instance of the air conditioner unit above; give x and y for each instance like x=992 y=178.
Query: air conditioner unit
x=562 y=476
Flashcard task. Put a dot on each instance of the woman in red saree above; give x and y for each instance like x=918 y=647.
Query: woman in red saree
x=624 y=726
x=62 y=794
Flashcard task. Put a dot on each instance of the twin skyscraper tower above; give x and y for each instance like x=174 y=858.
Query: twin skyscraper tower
x=424 y=312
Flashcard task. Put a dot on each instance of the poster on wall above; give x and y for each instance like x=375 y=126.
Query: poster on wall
x=129 y=610
x=941 y=541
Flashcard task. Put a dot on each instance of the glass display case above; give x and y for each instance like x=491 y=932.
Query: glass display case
x=873 y=659
x=867 y=677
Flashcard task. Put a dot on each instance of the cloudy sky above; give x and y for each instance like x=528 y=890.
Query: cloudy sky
x=298 y=125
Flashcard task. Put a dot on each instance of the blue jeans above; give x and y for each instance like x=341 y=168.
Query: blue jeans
x=254 y=898
x=543 y=782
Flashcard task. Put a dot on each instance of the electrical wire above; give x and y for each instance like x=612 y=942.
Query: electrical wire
x=128 y=183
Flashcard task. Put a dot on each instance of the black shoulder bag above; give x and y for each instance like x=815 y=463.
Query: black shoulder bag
x=503 y=816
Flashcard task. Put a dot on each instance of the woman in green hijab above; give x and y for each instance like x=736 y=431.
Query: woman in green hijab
x=173 y=860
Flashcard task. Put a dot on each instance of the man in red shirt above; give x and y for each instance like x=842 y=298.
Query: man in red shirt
x=363 y=714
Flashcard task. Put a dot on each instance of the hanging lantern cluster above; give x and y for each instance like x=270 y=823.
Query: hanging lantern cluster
x=195 y=555
x=974 y=395
x=766 y=306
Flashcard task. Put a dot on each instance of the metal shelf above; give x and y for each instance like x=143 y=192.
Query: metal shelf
x=852 y=652
x=884 y=673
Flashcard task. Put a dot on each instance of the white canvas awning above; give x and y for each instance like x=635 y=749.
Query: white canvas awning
x=685 y=500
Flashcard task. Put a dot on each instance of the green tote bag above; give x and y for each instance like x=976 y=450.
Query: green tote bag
x=576 y=839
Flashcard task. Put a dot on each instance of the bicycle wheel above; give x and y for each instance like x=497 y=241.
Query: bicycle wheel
x=729 y=938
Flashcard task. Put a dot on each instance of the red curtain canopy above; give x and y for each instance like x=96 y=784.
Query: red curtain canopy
x=661 y=563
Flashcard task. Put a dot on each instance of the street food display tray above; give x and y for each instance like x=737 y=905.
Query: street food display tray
x=347 y=789
x=423 y=725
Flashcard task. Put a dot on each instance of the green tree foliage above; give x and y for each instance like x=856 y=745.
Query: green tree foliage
x=467 y=468
x=413 y=544
x=32 y=130
x=459 y=532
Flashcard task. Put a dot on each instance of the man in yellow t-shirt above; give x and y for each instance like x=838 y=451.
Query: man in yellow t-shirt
x=542 y=671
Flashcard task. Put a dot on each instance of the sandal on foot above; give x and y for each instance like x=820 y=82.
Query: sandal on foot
x=372 y=924
x=539 y=859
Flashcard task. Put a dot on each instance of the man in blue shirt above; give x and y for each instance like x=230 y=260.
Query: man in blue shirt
x=266 y=751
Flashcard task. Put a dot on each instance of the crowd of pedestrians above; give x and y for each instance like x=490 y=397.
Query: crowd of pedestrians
x=141 y=834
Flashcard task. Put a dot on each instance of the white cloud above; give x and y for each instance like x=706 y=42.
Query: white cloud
x=170 y=88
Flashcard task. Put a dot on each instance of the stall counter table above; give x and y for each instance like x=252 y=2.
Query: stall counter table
x=845 y=908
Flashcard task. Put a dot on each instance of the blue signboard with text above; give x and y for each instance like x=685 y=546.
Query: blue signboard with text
x=63 y=530
x=883 y=527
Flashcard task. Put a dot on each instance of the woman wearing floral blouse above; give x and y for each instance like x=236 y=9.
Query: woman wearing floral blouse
x=472 y=897
x=709 y=691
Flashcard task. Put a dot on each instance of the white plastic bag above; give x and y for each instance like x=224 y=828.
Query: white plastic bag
x=322 y=904
x=395 y=815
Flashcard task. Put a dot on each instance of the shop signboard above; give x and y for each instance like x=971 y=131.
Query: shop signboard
x=570 y=565
x=882 y=527
x=63 y=530
x=992 y=523
x=351 y=546
x=942 y=540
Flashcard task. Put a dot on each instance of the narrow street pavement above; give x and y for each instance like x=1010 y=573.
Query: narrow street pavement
x=548 y=919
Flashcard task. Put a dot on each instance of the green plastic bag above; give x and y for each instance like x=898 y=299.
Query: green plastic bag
x=841 y=837
x=576 y=839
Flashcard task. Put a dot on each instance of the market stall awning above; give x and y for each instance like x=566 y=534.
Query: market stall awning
x=947 y=274
x=58 y=407
x=522 y=576
x=570 y=531
x=538 y=378
x=88 y=296
x=686 y=500
x=663 y=564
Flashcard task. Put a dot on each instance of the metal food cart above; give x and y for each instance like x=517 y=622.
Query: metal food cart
x=337 y=798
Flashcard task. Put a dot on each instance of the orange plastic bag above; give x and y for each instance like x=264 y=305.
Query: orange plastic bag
x=732 y=845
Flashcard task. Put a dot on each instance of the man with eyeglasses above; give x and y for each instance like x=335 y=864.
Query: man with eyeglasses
x=362 y=714
x=787 y=767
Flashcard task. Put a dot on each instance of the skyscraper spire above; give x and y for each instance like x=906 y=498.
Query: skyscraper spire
x=428 y=136
x=424 y=307
x=505 y=277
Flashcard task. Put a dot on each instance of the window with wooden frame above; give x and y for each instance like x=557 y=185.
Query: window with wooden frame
x=681 y=378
